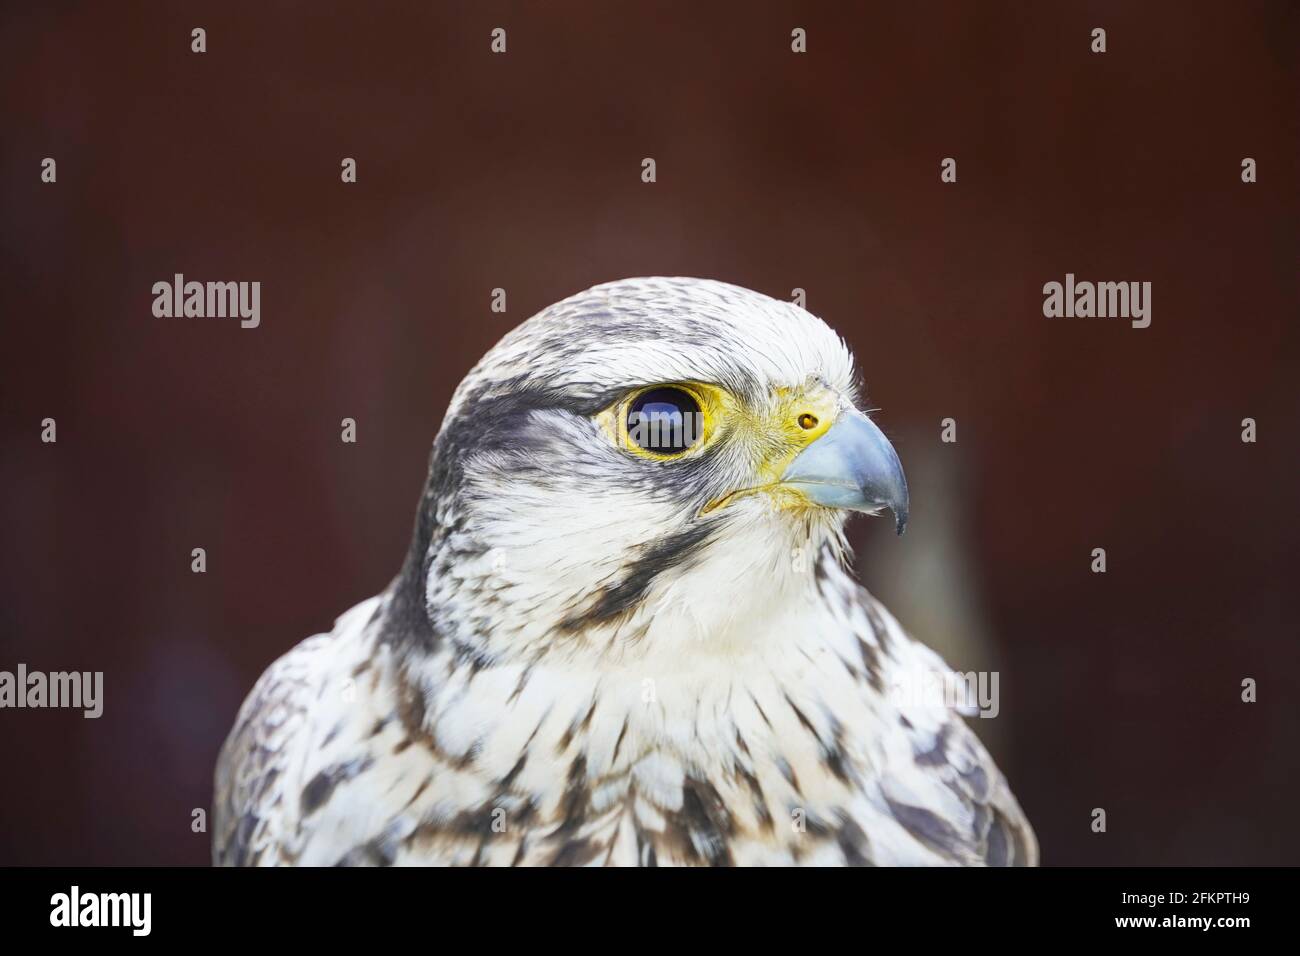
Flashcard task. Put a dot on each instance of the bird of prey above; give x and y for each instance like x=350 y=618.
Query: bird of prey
x=624 y=632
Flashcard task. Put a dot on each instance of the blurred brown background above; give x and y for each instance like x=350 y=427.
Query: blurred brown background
x=775 y=170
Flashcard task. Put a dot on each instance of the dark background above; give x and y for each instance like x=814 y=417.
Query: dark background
x=775 y=170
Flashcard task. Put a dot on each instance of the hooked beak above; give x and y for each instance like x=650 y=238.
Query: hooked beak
x=852 y=466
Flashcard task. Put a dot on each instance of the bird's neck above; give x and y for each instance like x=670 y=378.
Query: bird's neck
x=677 y=695
x=723 y=597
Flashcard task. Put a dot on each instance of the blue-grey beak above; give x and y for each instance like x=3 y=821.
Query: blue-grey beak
x=852 y=466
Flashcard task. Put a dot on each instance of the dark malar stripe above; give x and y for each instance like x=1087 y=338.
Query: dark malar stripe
x=488 y=420
x=622 y=599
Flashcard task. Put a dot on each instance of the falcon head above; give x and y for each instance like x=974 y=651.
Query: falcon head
x=650 y=466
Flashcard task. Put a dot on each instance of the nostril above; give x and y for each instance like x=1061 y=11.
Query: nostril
x=807 y=421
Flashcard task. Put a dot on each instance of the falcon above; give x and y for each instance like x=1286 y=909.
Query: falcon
x=625 y=632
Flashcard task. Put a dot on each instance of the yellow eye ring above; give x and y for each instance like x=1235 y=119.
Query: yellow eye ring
x=665 y=421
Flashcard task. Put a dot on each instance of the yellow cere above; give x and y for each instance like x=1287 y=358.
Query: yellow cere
x=799 y=418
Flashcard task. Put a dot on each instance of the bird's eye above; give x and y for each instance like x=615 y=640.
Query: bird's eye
x=665 y=421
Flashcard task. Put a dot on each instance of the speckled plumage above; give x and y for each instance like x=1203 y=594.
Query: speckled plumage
x=578 y=665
